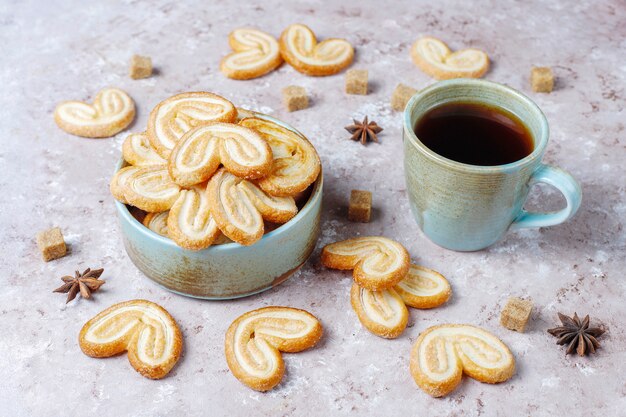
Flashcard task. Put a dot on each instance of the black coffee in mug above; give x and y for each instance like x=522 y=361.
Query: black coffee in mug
x=475 y=134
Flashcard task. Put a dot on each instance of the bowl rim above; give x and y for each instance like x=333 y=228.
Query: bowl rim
x=316 y=194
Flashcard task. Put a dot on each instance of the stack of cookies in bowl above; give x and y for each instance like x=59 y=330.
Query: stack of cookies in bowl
x=206 y=173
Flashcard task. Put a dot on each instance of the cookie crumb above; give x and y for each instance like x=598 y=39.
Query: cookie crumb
x=51 y=244
x=401 y=95
x=516 y=313
x=140 y=67
x=541 y=79
x=360 y=208
x=356 y=82
x=295 y=98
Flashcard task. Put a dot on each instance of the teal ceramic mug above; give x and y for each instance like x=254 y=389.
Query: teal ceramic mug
x=469 y=207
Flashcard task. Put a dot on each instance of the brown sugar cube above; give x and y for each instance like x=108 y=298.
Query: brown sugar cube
x=401 y=95
x=516 y=313
x=360 y=208
x=541 y=79
x=356 y=81
x=295 y=98
x=140 y=67
x=51 y=244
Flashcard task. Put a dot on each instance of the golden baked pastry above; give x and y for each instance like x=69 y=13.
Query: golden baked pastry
x=157 y=222
x=296 y=164
x=381 y=312
x=254 y=342
x=256 y=54
x=118 y=183
x=378 y=262
x=423 y=288
x=442 y=354
x=437 y=60
x=300 y=49
x=137 y=150
x=177 y=115
x=111 y=112
x=239 y=207
x=190 y=223
x=199 y=153
x=143 y=329
x=150 y=189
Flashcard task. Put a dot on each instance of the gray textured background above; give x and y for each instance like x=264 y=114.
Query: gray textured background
x=53 y=51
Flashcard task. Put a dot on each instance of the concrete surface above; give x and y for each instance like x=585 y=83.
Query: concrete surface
x=57 y=50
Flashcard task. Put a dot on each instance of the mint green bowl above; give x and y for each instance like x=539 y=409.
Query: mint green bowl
x=229 y=270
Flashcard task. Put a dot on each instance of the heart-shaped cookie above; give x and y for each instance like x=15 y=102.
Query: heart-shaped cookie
x=111 y=112
x=157 y=222
x=384 y=312
x=437 y=60
x=199 y=153
x=381 y=312
x=118 y=183
x=239 y=207
x=177 y=115
x=442 y=354
x=148 y=188
x=190 y=223
x=254 y=342
x=377 y=262
x=299 y=47
x=256 y=54
x=137 y=150
x=142 y=328
x=423 y=288
x=295 y=164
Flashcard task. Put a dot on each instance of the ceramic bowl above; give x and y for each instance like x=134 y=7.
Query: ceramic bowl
x=229 y=270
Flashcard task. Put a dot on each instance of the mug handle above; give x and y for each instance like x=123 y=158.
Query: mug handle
x=563 y=182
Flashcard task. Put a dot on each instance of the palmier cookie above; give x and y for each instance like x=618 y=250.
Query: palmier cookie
x=384 y=312
x=256 y=54
x=142 y=328
x=423 y=288
x=199 y=153
x=118 y=183
x=442 y=354
x=381 y=312
x=190 y=223
x=157 y=222
x=137 y=150
x=150 y=189
x=254 y=342
x=437 y=60
x=296 y=163
x=378 y=263
x=239 y=207
x=111 y=112
x=300 y=49
x=177 y=115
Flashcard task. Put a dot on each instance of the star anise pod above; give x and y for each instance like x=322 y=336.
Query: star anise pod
x=85 y=283
x=577 y=335
x=364 y=131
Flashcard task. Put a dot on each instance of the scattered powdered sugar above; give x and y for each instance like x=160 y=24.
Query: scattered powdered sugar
x=329 y=232
x=164 y=392
x=266 y=110
x=253 y=105
x=31 y=351
x=290 y=385
x=550 y=382
x=585 y=369
x=379 y=112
